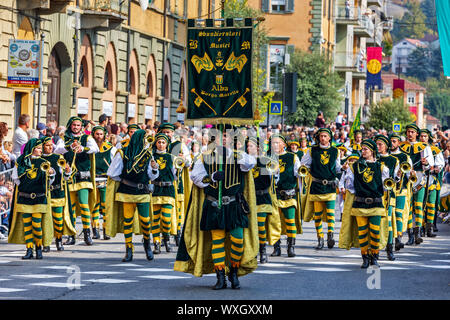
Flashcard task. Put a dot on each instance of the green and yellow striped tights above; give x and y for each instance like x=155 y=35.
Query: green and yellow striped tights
x=289 y=219
x=144 y=220
x=262 y=216
x=218 y=247
x=82 y=196
x=319 y=208
x=32 y=226
x=162 y=220
x=99 y=209
x=369 y=234
x=58 y=223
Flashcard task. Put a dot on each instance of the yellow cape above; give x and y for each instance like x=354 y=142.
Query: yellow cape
x=194 y=253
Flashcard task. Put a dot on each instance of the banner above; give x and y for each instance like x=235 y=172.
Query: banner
x=374 y=56
x=23 y=63
x=356 y=124
x=398 y=88
x=219 y=75
x=443 y=23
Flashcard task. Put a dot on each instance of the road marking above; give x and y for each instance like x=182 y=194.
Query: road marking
x=8 y=290
x=448 y=261
x=38 y=276
x=325 y=269
x=151 y=269
x=445 y=253
x=270 y=264
x=103 y=272
x=392 y=268
x=165 y=277
x=272 y=271
x=336 y=263
x=351 y=256
x=5 y=261
x=55 y=284
x=5 y=279
x=110 y=281
x=124 y=265
x=435 y=267
x=304 y=258
x=59 y=268
x=405 y=254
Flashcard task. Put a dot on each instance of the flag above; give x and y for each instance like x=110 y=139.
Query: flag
x=443 y=22
x=398 y=88
x=356 y=124
x=374 y=56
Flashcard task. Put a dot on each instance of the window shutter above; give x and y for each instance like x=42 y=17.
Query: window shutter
x=265 y=5
x=290 y=6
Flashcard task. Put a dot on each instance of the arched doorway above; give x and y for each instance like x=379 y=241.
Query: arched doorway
x=54 y=87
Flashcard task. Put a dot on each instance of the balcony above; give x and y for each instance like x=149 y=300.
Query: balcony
x=348 y=15
x=44 y=6
x=388 y=24
x=378 y=3
x=378 y=39
x=365 y=28
x=107 y=14
x=345 y=61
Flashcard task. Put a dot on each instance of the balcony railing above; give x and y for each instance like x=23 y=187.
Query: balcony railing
x=365 y=28
x=106 y=6
x=348 y=15
x=345 y=61
x=377 y=40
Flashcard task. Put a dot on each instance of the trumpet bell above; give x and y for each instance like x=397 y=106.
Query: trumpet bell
x=389 y=184
x=45 y=166
x=272 y=166
x=179 y=163
x=413 y=179
x=62 y=163
x=405 y=167
x=303 y=171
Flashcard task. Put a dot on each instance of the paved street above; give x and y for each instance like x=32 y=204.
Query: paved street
x=419 y=272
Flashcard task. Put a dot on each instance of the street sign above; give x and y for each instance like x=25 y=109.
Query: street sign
x=396 y=127
x=276 y=107
x=23 y=63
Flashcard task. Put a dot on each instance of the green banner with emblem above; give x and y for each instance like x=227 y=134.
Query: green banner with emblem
x=219 y=75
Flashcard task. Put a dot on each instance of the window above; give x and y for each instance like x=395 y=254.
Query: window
x=83 y=76
x=411 y=98
x=278 y=5
x=107 y=78
x=149 y=87
x=132 y=88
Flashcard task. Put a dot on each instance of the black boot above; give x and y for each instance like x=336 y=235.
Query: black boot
x=46 y=249
x=365 y=263
x=59 y=246
x=435 y=229
x=39 y=252
x=233 y=278
x=166 y=241
x=221 y=282
x=417 y=239
x=95 y=233
x=422 y=231
x=105 y=236
x=177 y=238
x=410 y=241
x=276 y=249
x=70 y=241
x=29 y=254
x=330 y=240
x=429 y=230
x=262 y=253
x=389 y=252
x=128 y=254
x=148 y=250
x=320 y=243
x=290 y=247
x=87 y=237
x=398 y=243
x=157 y=247
x=374 y=259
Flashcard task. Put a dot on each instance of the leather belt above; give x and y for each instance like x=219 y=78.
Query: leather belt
x=225 y=200
x=140 y=186
x=55 y=187
x=368 y=200
x=31 y=195
x=163 y=183
x=261 y=192
x=287 y=194
x=324 y=181
x=83 y=174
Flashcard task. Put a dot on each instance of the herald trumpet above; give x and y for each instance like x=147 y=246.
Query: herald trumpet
x=389 y=184
x=405 y=167
x=45 y=166
x=150 y=139
x=62 y=162
x=413 y=179
x=179 y=163
x=303 y=171
x=272 y=166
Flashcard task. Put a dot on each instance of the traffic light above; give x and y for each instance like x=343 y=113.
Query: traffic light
x=290 y=91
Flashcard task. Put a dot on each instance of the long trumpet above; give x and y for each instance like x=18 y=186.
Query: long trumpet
x=389 y=184
x=303 y=171
x=45 y=166
x=413 y=179
x=272 y=166
x=405 y=167
x=62 y=162
x=179 y=163
x=150 y=139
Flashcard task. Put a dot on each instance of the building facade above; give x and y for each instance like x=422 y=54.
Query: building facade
x=401 y=51
x=101 y=56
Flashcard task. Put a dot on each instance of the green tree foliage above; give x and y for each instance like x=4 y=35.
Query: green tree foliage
x=412 y=24
x=317 y=87
x=429 y=10
x=437 y=99
x=385 y=112
x=419 y=64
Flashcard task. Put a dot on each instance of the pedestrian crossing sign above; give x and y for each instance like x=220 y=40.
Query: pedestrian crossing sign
x=396 y=127
x=276 y=107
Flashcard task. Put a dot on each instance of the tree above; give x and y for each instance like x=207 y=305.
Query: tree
x=429 y=10
x=385 y=113
x=412 y=24
x=419 y=64
x=317 y=87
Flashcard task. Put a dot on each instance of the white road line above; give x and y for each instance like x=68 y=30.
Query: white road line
x=325 y=269
x=103 y=272
x=8 y=290
x=38 y=276
x=110 y=281
x=435 y=266
x=55 y=284
x=124 y=265
x=272 y=272
x=165 y=277
x=270 y=264
x=151 y=269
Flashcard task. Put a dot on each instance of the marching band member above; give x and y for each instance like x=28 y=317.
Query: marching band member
x=402 y=190
x=323 y=163
x=354 y=145
x=32 y=217
x=364 y=181
x=288 y=201
x=131 y=129
x=207 y=224
x=128 y=191
x=79 y=151
x=59 y=195
x=103 y=160
x=392 y=163
x=422 y=158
